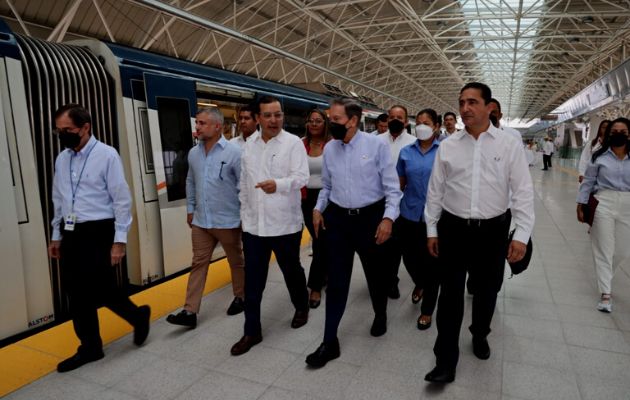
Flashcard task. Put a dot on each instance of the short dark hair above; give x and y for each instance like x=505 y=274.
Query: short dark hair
x=351 y=107
x=446 y=114
x=495 y=101
x=401 y=107
x=76 y=112
x=267 y=99
x=431 y=113
x=486 y=93
x=382 y=117
x=250 y=108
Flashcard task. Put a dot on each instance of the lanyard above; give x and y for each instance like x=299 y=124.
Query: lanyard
x=76 y=188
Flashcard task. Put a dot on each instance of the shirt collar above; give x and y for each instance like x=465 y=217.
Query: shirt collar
x=612 y=153
x=91 y=142
x=492 y=130
x=356 y=139
x=434 y=144
x=281 y=137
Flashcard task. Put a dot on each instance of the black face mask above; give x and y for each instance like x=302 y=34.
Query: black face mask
x=618 y=140
x=395 y=126
x=69 y=140
x=338 y=131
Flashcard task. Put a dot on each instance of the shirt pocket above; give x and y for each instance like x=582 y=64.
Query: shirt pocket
x=279 y=165
x=494 y=167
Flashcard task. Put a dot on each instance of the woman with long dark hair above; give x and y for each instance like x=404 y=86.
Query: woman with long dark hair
x=608 y=177
x=590 y=148
x=316 y=137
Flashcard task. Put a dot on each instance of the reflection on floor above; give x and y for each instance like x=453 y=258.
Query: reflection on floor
x=548 y=341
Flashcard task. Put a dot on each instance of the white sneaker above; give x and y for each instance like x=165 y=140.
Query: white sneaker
x=605 y=305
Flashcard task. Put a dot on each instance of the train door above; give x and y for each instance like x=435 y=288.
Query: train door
x=171 y=106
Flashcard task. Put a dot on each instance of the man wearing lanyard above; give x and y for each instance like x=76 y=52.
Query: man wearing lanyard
x=478 y=172
x=359 y=199
x=92 y=199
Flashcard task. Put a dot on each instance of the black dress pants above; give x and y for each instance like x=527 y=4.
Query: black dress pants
x=546 y=161
x=317 y=272
x=350 y=231
x=411 y=238
x=88 y=275
x=479 y=248
x=257 y=251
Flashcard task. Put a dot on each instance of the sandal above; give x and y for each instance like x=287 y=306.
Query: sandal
x=424 y=322
x=416 y=295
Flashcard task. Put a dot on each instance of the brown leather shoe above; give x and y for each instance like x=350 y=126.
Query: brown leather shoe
x=246 y=343
x=300 y=318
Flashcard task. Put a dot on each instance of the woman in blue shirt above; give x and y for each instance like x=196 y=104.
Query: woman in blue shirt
x=608 y=175
x=414 y=170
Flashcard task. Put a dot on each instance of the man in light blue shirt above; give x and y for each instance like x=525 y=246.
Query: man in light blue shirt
x=92 y=214
x=359 y=199
x=212 y=186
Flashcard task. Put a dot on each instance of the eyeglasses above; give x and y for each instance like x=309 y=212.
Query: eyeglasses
x=315 y=121
x=268 y=115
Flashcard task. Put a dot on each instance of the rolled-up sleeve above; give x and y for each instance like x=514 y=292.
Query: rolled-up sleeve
x=588 y=184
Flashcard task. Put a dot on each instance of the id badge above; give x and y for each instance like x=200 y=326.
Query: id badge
x=69 y=222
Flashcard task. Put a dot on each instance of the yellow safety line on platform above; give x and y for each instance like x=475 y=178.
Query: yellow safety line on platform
x=29 y=359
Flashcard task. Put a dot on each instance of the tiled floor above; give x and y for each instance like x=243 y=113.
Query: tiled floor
x=548 y=341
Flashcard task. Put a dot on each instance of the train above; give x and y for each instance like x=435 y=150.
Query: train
x=143 y=104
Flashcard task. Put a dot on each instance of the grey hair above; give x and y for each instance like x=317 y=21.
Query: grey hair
x=212 y=112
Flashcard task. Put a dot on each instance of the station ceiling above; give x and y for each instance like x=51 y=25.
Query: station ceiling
x=534 y=54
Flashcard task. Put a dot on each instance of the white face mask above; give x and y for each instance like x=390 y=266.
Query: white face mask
x=423 y=132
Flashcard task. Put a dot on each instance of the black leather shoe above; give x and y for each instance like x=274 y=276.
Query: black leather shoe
x=141 y=329
x=78 y=360
x=440 y=375
x=237 y=306
x=246 y=343
x=324 y=353
x=183 y=318
x=393 y=292
x=379 y=326
x=300 y=318
x=423 y=326
x=314 y=303
x=481 y=349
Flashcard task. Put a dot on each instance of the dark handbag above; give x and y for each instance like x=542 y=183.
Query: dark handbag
x=520 y=266
x=589 y=209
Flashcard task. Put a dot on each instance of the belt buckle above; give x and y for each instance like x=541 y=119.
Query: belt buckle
x=474 y=222
x=353 y=211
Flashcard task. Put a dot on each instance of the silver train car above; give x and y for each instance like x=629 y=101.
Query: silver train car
x=144 y=105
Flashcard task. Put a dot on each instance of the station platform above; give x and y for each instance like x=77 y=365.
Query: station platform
x=548 y=340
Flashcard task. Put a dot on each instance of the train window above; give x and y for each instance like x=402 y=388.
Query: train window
x=146 y=140
x=176 y=137
x=295 y=118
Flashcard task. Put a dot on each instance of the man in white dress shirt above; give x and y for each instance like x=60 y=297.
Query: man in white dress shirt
x=478 y=173
x=496 y=112
x=274 y=168
x=247 y=124
x=547 y=152
x=450 y=121
x=396 y=138
x=381 y=125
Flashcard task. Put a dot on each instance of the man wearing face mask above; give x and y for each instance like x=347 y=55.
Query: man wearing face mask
x=92 y=214
x=396 y=138
x=359 y=201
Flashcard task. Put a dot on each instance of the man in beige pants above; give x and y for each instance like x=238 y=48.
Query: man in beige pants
x=212 y=186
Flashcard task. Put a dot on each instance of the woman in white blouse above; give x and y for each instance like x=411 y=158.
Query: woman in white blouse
x=608 y=176
x=316 y=137
x=590 y=148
